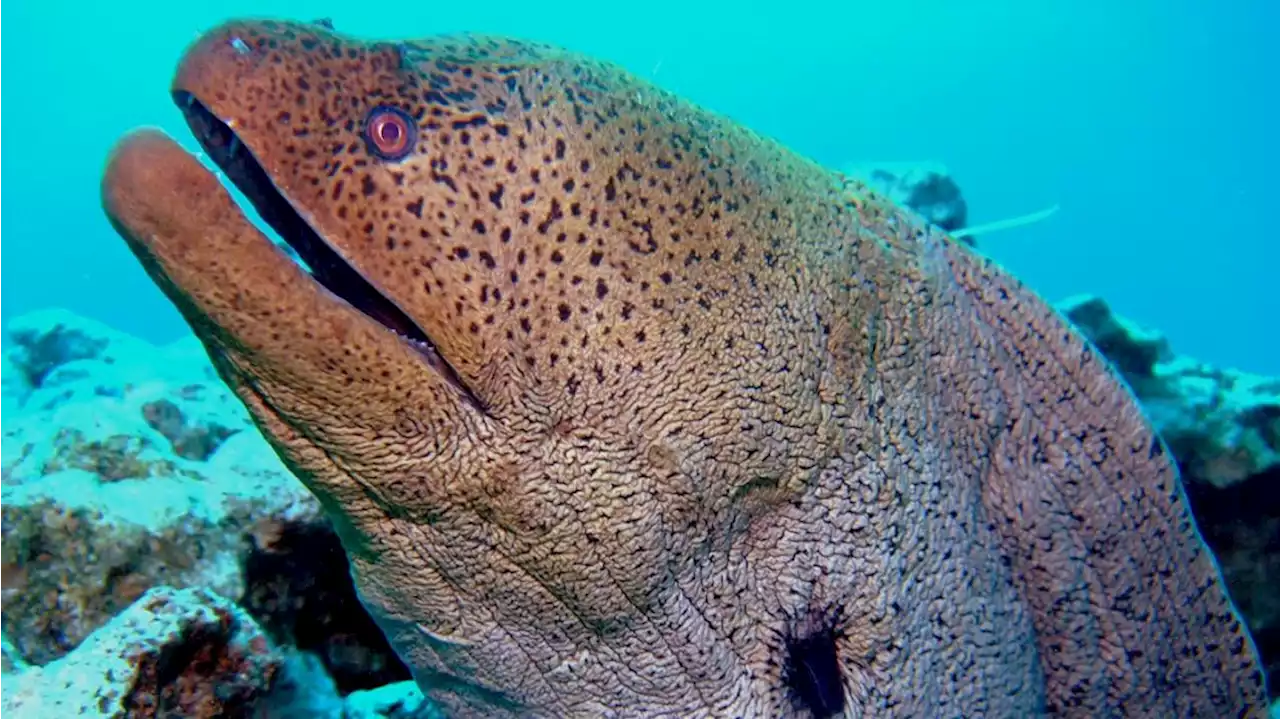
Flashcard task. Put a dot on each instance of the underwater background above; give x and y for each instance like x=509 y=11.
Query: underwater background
x=141 y=507
x=1151 y=123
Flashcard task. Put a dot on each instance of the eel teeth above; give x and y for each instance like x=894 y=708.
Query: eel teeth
x=418 y=344
x=426 y=349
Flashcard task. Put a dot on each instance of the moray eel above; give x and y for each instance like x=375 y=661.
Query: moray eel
x=620 y=409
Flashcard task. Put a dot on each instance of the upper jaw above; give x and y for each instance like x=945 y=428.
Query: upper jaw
x=251 y=304
x=325 y=264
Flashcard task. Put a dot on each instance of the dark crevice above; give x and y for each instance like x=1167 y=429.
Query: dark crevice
x=300 y=591
x=811 y=670
x=1241 y=524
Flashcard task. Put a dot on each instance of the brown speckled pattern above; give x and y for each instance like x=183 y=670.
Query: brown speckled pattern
x=725 y=403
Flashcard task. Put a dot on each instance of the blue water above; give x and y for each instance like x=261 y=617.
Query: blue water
x=1149 y=121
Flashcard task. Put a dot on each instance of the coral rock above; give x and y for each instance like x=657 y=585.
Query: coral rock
x=128 y=466
x=1223 y=425
x=48 y=340
x=401 y=700
x=11 y=660
x=187 y=653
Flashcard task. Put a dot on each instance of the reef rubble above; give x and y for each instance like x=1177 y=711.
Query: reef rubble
x=188 y=653
x=157 y=552
x=129 y=468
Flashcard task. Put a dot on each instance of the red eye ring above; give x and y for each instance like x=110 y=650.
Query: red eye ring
x=389 y=132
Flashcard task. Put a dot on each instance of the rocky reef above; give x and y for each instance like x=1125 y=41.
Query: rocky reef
x=158 y=559
x=132 y=477
x=189 y=653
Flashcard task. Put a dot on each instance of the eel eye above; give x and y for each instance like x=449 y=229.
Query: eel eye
x=389 y=132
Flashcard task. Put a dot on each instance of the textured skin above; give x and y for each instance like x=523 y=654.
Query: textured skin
x=725 y=404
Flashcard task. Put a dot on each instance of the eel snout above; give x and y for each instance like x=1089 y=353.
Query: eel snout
x=250 y=303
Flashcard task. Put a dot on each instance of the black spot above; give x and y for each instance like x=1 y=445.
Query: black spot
x=473 y=121
x=811 y=671
x=444 y=180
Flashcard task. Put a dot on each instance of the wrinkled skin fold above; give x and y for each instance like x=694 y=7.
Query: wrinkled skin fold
x=620 y=409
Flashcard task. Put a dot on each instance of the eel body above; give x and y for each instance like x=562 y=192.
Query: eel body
x=621 y=409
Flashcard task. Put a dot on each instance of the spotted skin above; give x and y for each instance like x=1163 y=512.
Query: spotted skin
x=706 y=404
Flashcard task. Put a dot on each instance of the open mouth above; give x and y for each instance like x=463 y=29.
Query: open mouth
x=321 y=261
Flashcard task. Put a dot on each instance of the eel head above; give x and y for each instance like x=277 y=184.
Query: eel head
x=621 y=409
x=513 y=368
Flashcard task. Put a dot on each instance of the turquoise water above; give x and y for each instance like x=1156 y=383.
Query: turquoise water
x=1149 y=126
x=1149 y=122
